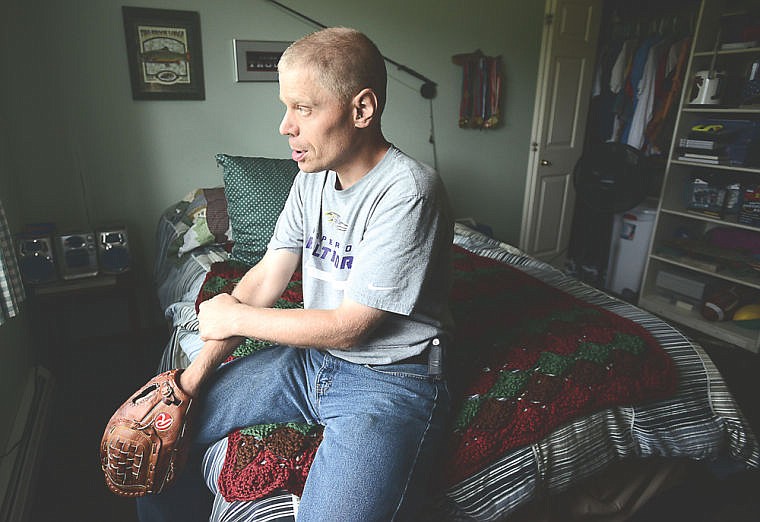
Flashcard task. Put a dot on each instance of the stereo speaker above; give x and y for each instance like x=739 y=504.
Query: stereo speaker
x=36 y=259
x=77 y=255
x=113 y=250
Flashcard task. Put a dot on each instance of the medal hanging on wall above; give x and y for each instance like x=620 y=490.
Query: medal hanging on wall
x=479 y=107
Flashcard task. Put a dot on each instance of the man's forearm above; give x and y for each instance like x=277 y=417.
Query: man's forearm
x=206 y=362
x=260 y=286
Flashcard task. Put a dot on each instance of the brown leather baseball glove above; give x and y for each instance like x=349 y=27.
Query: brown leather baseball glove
x=145 y=443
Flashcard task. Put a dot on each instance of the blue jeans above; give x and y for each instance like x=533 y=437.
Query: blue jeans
x=383 y=431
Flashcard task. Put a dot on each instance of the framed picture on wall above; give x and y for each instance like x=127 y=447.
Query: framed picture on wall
x=256 y=61
x=164 y=54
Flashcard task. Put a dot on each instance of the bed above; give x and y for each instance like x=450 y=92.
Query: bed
x=569 y=403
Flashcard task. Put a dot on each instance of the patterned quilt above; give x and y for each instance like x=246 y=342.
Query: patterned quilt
x=529 y=357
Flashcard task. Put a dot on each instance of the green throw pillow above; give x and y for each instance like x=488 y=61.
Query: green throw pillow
x=256 y=190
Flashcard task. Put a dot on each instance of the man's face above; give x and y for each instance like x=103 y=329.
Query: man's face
x=319 y=127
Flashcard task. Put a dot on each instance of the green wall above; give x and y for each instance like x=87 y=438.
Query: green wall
x=15 y=349
x=71 y=121
x=72 y=113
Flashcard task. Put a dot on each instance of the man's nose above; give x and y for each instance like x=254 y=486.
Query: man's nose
x=287 y=127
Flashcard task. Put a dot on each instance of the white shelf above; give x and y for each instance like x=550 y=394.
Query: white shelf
x=752 y=170
x=724 y=330
x=722 y=110
x=672 y=213
x=719 y=275
x=724 y=52
x=707 y=219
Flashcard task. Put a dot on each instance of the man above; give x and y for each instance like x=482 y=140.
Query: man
x=371 y=232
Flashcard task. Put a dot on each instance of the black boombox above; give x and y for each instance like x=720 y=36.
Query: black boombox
x=45 y=258
x=77 y=255
x=36 y=259
x=113 y=250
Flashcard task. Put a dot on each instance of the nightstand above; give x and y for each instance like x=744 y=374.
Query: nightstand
x=66 y=312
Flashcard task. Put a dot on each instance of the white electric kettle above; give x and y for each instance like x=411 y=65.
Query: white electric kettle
x=707 y=88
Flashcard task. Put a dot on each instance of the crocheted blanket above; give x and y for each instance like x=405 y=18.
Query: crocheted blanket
x=528 y=359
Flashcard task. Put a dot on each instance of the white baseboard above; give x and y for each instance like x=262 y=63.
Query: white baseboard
x=18 y=470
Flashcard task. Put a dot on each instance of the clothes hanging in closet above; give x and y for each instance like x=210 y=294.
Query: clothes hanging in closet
x=638 y=81
x=641 y=86
x=662 y=124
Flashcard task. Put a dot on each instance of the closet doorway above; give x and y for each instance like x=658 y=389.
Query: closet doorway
x=639 y=69
x=552 y=229
x=568 y=52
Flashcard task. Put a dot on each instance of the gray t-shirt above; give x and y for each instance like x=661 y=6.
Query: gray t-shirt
x=384 y=242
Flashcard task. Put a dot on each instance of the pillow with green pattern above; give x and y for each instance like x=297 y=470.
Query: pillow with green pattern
x=256 y=190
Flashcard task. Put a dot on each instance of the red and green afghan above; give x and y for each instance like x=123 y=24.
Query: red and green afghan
x=528 y=357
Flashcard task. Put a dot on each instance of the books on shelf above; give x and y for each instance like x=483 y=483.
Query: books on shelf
x=695 y=160
x=718 y=141
x=730 y=46
x=712 y=159
x=699 y=144
x=724 y=155
x=713 y=195
x=750 y=207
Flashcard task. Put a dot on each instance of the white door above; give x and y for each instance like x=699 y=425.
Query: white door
x=568 y=53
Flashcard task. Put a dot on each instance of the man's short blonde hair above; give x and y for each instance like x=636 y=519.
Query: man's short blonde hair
x=345 y=62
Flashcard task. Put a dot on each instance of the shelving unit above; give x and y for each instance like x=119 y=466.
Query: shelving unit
x=674 y=218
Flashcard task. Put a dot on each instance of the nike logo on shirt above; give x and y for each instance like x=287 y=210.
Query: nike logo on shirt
x=372 y=286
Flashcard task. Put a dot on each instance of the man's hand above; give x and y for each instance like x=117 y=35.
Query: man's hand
x=215 y=317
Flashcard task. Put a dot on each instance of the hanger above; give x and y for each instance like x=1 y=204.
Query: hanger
x=461 y=59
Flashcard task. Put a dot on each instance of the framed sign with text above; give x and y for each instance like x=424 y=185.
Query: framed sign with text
x=256 y=61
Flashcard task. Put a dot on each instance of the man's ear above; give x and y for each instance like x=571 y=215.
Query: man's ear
x=365 y=108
